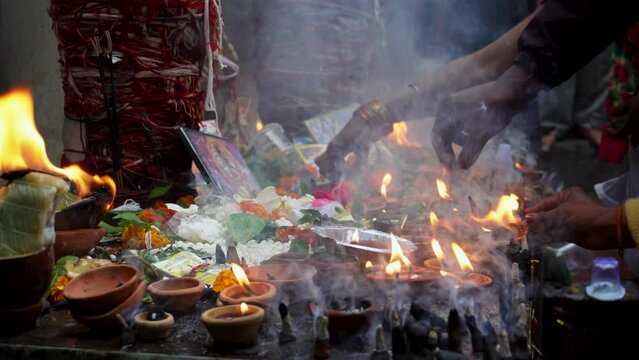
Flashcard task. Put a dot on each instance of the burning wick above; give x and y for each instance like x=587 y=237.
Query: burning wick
x=241 y=277
x=485 y=230
x=462 y=259
x=437 y=249
x=355 y=237
x=368 y=265
x=394 y=267
x=442 y=189
x=243 y=308
x=259 y=125
x=386 y=181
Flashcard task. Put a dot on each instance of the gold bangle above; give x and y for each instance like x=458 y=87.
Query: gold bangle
x=618 y=222
x=374 y=111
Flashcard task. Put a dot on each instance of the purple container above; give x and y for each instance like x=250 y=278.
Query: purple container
x=604 y=280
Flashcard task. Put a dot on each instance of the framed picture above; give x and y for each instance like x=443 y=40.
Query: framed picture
x=220 y=162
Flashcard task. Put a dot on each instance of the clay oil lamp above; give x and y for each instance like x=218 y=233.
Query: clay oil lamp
x=154 y=325
x=467 y=276
x=177 y=295
x=252 y=292
x=400 y=269
x=382 y=205
x=234 y=325
x=348 y=316
x=286 y=275
x=335 y=262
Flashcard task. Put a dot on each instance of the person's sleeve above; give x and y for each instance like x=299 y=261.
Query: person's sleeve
x=631 y=207
x=566 y=34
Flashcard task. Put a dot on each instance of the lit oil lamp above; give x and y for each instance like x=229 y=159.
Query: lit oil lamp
x=442 y=190
x=504 y=217
x=254 y=292
x=382 y=206
x=467 y=276
x=400 y=268
x=234 y=324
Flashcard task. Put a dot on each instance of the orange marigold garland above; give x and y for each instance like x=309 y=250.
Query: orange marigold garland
x=57 y=291
x=224 y=279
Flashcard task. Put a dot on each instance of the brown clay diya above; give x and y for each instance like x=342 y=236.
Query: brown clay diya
x=177 y=295
x=234 y=324
x=252 y=292
x=282 y=274
x=400 y=269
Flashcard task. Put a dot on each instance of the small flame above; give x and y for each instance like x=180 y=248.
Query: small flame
x=462 y=259
x=259 y=125
x=385 y=183
x=396 y=252
x=243 y=308
x=22 y=147
x=485 y=230
x=433 y=218
x=355 y=237
x=519 y=166
x=442 y=189
x=502 y=216
x=457 y=279
x=399 y=135
x=393 y=268
x=240 y=275
x=437 y=249
x=368 y=265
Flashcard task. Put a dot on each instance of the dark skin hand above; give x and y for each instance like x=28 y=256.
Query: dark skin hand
x=472 y=117
x=575 y=217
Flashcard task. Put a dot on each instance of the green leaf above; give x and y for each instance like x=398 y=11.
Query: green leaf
x=318 y=249
x=267 y=233
x=157 y=192
x=299 y=246
x=110 y=228
x=129 y=218
x=63 y=260
x=147 y=299
x=244 y=227
x=310 y=215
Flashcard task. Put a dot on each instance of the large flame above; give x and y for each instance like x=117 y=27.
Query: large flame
x=22 y=147
x=437 y=249
x=462 y=259
x=386 y=181
x=503 y=215
x=259 y=125
x=240 y=275
x=243 y=308
x=397 y=258
x=442 y=189
x=399 y=135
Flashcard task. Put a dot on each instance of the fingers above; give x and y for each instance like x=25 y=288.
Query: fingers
x=442 y=135
x=543 y=205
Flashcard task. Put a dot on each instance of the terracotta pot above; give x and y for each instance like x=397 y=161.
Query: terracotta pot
x=100 y=290
x=264 y=293
x=76 y=242
x=343 y=323
x=153 y=330
x=227 y=326
x=178 y=295
x=25 y=279
x=19 y=320
x=334 y=262
x=110 y=319
x=281 y=274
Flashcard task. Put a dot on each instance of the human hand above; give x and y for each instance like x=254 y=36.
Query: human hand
x=626 y=120
x=575 y=217
x=473 y=116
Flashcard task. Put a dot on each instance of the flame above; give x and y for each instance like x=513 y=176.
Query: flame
x=442 y=189
x=486 y=230
x=457 y=279
x=393 y=268
x=396 y=252
x=385 y=183
x=22 y=147
x=243 y=308
x=519 y=166
x=259 y=125
x=437 y=249
x=355 y=236
x=240 y=275
x=433 y=218
x=399 y=135
x=462 y=259
x=368 y=265
x=503 y=215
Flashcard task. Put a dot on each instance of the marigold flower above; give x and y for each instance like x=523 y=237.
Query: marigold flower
x=223 y=280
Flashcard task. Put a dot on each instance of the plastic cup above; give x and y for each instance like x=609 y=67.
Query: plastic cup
x=604 y=280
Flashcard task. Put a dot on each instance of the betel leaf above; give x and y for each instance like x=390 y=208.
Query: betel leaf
x=128 y=218
x=158 y=192
x=299 y=246
x=243 y=227
x=110 y=228
x=267 y=233
x=310 y=215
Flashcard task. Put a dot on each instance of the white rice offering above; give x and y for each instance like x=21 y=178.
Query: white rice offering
x=200 y=228
x=254 y=253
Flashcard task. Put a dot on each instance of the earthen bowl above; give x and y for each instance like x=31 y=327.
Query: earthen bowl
x=111 y=319
x=177 y=295
x=281 y=274
x=263 y=294
x=19 y=320
x=76 y=242
x=288 y=257
x=153 y=330
x=99 y=291
x=345 y=323
x=25 y=278
x=340 y=262
x=228 y=328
